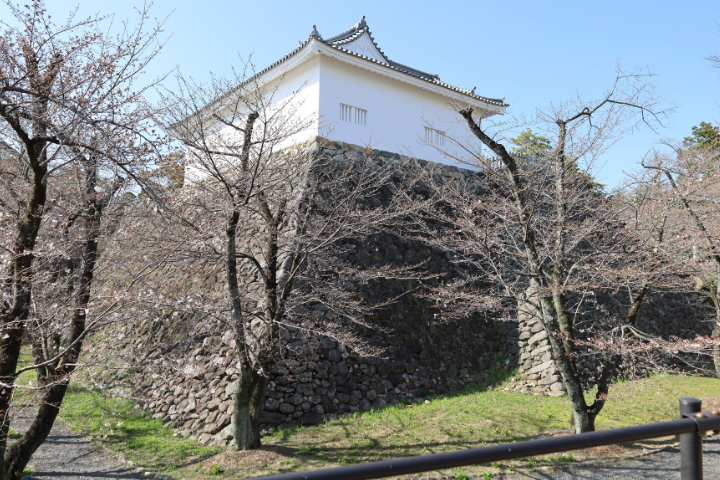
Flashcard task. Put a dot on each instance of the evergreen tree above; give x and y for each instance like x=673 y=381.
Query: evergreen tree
x=530 y=144
x=706 y=136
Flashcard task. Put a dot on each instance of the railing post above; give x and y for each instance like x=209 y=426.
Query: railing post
x=691 y=466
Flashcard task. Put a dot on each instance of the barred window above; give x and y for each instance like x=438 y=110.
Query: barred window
x=351 y=114
x=434 y=137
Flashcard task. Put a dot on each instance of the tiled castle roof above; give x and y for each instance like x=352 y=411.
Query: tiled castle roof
x=355 y=32
x=361 y=28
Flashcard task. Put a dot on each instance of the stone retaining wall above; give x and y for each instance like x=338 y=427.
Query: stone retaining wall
x=334 y=381
x=196 y=379
x=666 y=315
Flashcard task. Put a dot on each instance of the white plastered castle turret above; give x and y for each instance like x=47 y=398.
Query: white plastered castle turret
x=355 y=94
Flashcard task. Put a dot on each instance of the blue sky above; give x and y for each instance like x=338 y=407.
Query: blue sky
x=532 y=53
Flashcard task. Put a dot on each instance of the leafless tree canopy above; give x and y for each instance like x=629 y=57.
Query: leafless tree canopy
x=544 y=241
x=268 y=217
x=76 y=132
x=681 y=184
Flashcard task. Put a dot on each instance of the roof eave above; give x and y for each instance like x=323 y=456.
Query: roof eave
x=446 y=90
x=300 y=55
x=314 y=46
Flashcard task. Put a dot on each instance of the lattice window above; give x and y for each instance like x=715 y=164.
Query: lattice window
x=351 y=114
x=434 y=137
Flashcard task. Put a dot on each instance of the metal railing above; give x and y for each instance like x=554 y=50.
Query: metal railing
x=691 y=427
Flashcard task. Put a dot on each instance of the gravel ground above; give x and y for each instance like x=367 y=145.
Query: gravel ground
x=66 y=455
x=663 y=465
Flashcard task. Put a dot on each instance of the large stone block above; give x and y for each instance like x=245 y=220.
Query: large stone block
x=272 y=418
x=231 y=389
x=272 y=404
x=557 y=387
x=286 y=408
x=537 y=338
x=226 y=434
x=310 y=418
x=541 y=368
x=214 y=404
x=213 y=428
x=549 y=380
x=305 y=389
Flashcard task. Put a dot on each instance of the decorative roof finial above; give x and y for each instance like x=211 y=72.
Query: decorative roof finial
x=315 y=33
x=362 y=24
x=473 y=90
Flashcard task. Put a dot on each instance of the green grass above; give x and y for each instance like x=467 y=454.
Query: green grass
x=117 y=425
x=473 y=418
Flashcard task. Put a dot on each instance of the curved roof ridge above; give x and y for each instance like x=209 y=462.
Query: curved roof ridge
x=358 y=27
x=352 y=34
x=434 y=79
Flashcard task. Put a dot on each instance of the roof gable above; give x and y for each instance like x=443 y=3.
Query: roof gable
x=363 y=45
x=358 y=39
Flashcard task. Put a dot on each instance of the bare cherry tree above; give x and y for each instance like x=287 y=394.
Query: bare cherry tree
x=686 y=182
x=271 y=214
x=542 y=239
x=75 y=125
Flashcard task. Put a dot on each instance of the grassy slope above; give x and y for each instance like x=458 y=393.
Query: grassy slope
x=465 y=420
x=118 y=426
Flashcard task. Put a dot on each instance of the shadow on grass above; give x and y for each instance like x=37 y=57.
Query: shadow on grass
x=372 y=444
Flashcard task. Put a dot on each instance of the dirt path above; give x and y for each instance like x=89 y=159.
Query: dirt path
x=66 y=455
x=662 y=466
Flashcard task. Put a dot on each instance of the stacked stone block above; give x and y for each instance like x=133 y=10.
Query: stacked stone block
x=665 y=315
x=195 y=389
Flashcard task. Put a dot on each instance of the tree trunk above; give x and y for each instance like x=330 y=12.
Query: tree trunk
x=714 y=294
x=16 y=310
x=715 y=335
x=581 y=420
x=248 y=406
x=635 y=303
x=19 y=454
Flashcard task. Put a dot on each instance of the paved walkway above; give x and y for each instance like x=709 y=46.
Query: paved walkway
x=67 y=456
